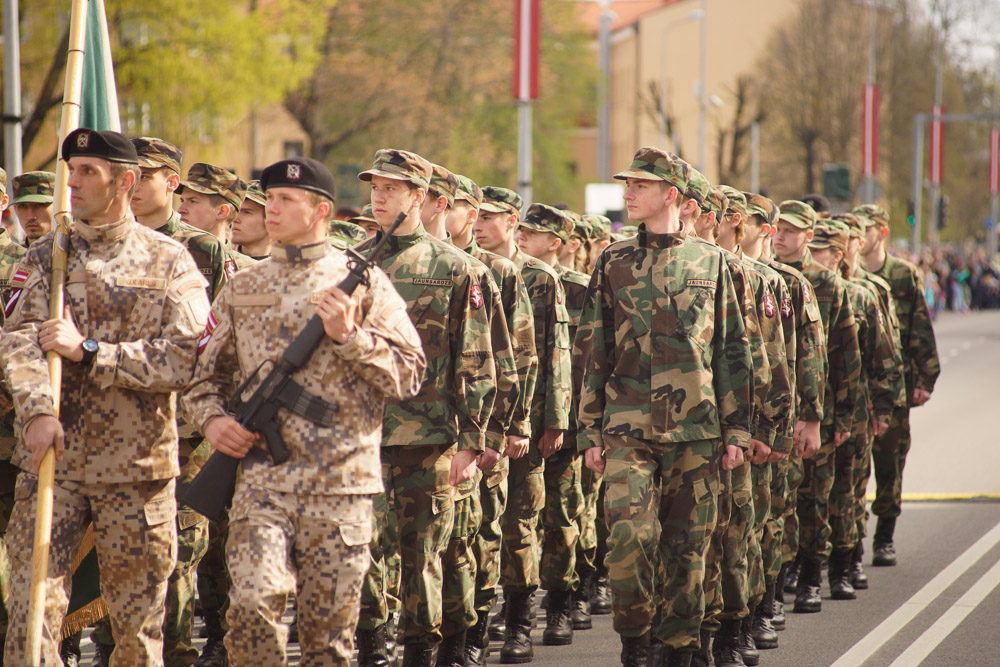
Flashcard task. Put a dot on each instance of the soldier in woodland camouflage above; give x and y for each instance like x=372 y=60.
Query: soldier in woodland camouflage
x=32 y=202
x=303 y=526
x=129 y=338
x=249 y=232
x=665 y=404
x=210 y=201
x=921 y=368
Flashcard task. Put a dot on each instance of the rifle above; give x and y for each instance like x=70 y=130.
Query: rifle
x=211 y=491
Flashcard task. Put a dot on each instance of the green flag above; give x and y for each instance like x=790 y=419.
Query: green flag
x=99 y=97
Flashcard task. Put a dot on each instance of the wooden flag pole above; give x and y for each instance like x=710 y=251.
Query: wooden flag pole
x=57 y=298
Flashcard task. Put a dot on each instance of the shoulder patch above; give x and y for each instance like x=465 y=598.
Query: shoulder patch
x=20 y=276
x=436 y=282
x=476 y=296
x=698 y=282
x=209 y=328
x=769 y=306
x=806 y=293
x=230 y=268
x=786 y=307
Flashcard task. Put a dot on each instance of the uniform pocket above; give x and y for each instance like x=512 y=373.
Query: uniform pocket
x=356 y=533
x=25 y=486
x=159 y=511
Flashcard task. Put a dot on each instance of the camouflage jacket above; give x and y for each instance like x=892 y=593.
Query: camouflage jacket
x=574 y=286
x=445 y=303
x=916 y=333
x=890 y=322
x=10 y=256
x=521 y=328
x=257 y=314
x=207 y=251
x=551 y=400
x=140 y=295
x=876 y=359
x=664 y=346
x=235 y=260
x=810 y=345
x=783 y=436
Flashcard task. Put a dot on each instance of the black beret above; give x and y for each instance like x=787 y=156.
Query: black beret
x=105 y=144
x=299 y=172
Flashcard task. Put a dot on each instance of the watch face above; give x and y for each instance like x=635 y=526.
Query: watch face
x=90 y=345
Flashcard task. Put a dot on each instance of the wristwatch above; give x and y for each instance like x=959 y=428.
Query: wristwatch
x=89 y=351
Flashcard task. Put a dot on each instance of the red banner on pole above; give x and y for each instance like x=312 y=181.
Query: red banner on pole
x=994 y=161
x=527 y=41
x=869 y=130
x=937 y=146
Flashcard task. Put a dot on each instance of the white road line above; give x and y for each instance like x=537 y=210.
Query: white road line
x=896 y=621
x=944 y=626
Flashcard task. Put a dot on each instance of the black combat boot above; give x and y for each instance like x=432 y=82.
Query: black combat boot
x=372 y=648
x=858 y=577
x=764 y=636
x=635 y=651
x=517 y=647
x=476 y=643
x=69 y=650
x=214 y=654
x=778 y=615
x=581 y=602
x=675 y=658
x=451 y=651
x=558 y=619
x=840 y=575
x=807 y=599
x=703 y=656
x=726 y=647
x=792 y=571
x=747 y=647
x=102 y=655
x=497 y=626
x=885 y=552
x=418 y=655
x=600 y=601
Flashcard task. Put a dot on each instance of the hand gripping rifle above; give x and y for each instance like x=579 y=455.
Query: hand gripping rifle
x=211 y=491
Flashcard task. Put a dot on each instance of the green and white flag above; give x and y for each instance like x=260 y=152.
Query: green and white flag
x=99 y=96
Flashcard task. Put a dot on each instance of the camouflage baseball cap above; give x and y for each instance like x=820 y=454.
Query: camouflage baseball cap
x=874 y=214
x=501 y=200
x=444 y=183
x=401 y=166
x=34 y=186
x=578 y=227
x=737 y=201
x=762 y=206
x=829 y=233
x=625 y=232
x=469 y=192
x=3 y=182
x=254 y=193
x=211 y=180
x=155 y=153
x=698 y=187
x=654 y=164
x=344 y=234
x=544 y=218
x=581 y=227
x=600 y=226
x=716 y=202
x=854 y=223
x=797 y=213
x=366 y=215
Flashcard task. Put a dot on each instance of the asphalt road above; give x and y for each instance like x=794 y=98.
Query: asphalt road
x=939 y=606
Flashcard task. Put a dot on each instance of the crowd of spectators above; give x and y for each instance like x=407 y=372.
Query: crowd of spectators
x=959 y=278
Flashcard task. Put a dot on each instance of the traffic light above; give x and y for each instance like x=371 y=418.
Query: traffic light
x=942 y=211
x=837 y=182
x=911 y=212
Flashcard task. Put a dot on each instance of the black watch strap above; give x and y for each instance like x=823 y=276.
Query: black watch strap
x=89 y=351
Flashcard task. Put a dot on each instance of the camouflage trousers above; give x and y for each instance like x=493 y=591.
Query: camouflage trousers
x=864 y=472
x=380 y=590
x=593 y=541
x=311 y=545
x=760 y=476
x=793 y=472
x=458 y=562
x=661 y=507
x=8 y=480
x=560 y=519
x=843 y=516
x=525 y=499
x=213 y=577
x=814 y=499
x=178 y=622
x=492 y=501
x=417 y=478
x=889 y=457
x=726 y=577
x=136 y=538
x=773 y=535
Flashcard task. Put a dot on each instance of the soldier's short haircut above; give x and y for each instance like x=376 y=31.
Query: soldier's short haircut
x=317 y=198
x=219 y=200
x=118 y=170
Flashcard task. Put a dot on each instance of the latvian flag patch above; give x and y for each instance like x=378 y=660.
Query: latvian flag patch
x=17 y=284
x=212 y=323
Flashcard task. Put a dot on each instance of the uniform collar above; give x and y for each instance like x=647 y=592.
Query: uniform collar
x=397 y=243
x=104 y=233
x=292 y=254
x=647 y=239
x=172 y=224
x=806 y=260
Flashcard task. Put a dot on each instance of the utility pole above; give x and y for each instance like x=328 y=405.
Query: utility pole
x=12 y=94
x=703 y=86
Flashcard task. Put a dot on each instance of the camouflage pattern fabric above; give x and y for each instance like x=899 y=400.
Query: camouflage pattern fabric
x=492 y=502
x=10 y=256
x=312 y=545
x=213 y=577
x=459 y=565
x=209 y=179
x=235 y=260
x=34 y=186
x=760 y=479
x=206 y=250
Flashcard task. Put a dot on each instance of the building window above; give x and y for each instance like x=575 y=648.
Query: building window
x=294 y=149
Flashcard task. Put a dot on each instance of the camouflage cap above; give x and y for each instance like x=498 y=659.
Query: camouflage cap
x=34 y=186
x=829 y=233
x=501 y=200
x=600 y=226
x=762 y=206
x=443 y=183
x=3 y=182
x=469 y=192
x=344 y=234
x=698 y=187
x=211 y=180
x=654 y=164
x=625 y=232
x=818 y=202
x=737 y=201
x=367 y=215
x=154 y=153
x=400 y=166
x=875 y=215
x=544 y=218
x=581 y=227
x=255 y=193
x=716 y=202
x=797 y=213
x=854 y=223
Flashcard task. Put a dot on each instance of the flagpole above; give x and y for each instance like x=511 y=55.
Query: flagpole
x=60 y=248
